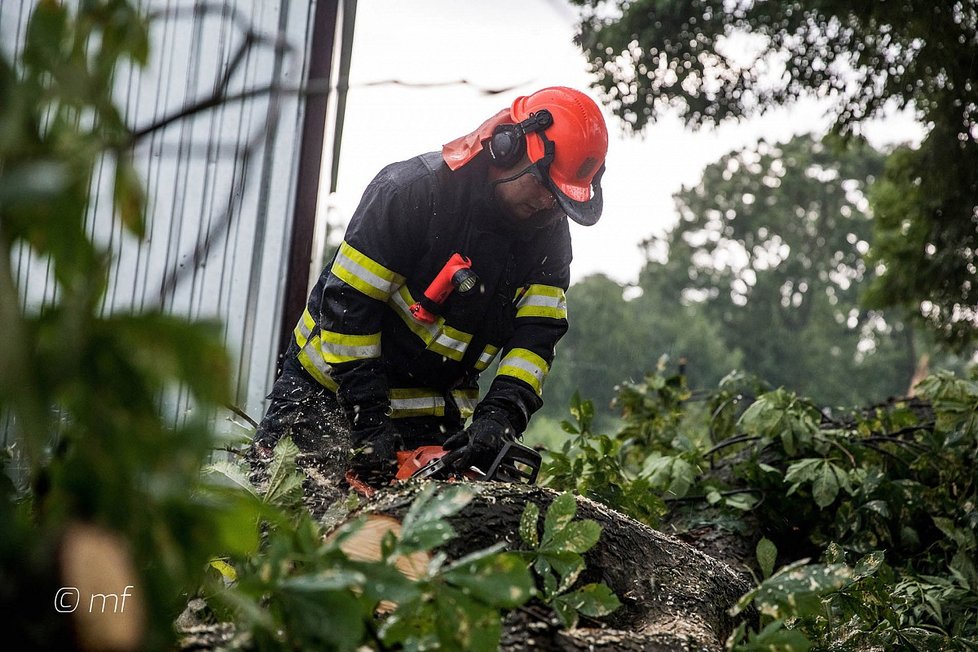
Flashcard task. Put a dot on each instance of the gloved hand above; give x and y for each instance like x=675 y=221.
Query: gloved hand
x=479 y=444
x=375 y=453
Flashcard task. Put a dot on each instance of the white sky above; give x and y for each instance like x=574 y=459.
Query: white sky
x=526 y=44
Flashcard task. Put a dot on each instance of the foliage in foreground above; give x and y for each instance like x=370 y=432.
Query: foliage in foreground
x=105 y=494
x=870 y=514
x=303 y=591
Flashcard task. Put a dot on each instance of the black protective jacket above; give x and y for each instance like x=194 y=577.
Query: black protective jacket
x=358 y=338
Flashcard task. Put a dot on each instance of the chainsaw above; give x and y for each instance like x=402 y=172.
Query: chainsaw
x=515 y=464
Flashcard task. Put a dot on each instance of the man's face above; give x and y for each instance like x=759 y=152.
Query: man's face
x=525 y=200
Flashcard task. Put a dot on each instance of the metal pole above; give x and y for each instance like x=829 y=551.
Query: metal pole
x=310 y=162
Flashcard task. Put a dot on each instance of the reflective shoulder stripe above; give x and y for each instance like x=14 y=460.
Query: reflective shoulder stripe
x=526 y=366
x=543 y=301
x=486 y=357
x=340 y=347
x=365 y=274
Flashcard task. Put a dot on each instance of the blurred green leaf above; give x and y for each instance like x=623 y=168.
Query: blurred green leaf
x=528 y=525
x=767 y=554
x=130 y=200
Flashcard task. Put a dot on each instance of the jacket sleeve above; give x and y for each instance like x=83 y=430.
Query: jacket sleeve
x=376 y=254
x=540 y=321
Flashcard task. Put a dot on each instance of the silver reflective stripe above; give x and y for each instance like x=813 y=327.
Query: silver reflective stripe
x=543 y=301
x=382 y=285
x=440 y=338
x=348 y=352
x=453 y=348
x=418 y=405
x=486 y=357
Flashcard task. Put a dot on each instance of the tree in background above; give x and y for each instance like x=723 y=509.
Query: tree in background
x=713 y=60
x=771 y=244
x=613 y=340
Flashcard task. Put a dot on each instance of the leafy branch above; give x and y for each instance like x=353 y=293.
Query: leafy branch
x=557 y=560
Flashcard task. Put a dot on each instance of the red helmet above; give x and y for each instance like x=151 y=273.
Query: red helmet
x=571 y=150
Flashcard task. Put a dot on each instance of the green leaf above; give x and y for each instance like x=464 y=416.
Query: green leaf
x=775 y=637
x=567 y=565
x=303 y=609
x=231 y=475
x=493 y=578
x=559 y=514
x=796 y=590
x=225 y=569
x=465 y=624
x=594 y=600
x=130 y=199
x=867 y=566
x=334 y=579
x=528 y=525
x=424 y=527
x=767 y=554
x=566 y=613
x=825 y=488
x=579 y=537
x=384 y=581
x=284 y=482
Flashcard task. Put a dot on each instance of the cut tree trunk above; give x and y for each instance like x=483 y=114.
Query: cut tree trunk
x=673 y=596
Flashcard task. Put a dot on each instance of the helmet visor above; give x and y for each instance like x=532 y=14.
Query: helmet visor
x=587 y=212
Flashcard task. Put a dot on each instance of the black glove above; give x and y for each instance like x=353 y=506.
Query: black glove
x=479 y=444
x=375 y=453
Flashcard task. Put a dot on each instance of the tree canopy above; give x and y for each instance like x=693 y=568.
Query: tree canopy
x=771 y=245
x=714 y=60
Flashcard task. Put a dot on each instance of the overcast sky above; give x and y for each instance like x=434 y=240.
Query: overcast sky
x=525 y=45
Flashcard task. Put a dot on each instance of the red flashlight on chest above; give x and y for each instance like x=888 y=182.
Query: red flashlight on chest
x=456 y=275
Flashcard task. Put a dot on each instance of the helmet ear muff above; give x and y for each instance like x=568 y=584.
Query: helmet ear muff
x=507 y=145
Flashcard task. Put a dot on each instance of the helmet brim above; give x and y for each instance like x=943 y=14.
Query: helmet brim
x=585 y=213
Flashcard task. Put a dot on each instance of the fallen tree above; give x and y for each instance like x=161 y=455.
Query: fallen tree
x=673 y=597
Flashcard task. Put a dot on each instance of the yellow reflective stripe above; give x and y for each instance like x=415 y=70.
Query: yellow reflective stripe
x=525 y=365
x=304 y=328
x=439 y=337
x=416 y=402
x=402 y=301
x=466 y=400
x=365 y=274
x=341 y=347
x=543 y=301
x=311 y=359
x=451 y=343
x=485 y=359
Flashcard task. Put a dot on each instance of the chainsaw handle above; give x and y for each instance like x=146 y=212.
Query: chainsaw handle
x=513 y=452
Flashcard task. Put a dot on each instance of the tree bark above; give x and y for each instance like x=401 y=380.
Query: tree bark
x=673 y=596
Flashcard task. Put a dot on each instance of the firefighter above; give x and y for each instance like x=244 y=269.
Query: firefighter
x=452 y=260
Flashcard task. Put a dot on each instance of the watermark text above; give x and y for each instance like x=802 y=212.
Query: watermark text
x=69 y=599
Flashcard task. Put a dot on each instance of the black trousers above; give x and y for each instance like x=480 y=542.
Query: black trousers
x=310 y=414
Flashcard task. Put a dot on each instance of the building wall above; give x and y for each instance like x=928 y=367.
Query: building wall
x=220 y=183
